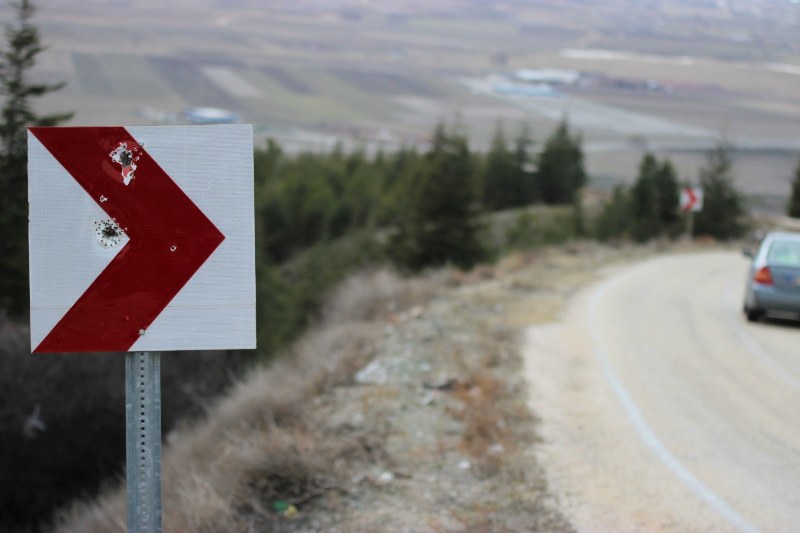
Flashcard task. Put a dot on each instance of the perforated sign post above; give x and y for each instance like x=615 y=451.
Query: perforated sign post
x=141 y=241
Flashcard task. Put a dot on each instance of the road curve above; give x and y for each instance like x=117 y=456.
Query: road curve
x=663 y=409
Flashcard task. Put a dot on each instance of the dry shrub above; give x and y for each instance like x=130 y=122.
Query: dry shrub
x=342 y=349
x=482 y=396
x=490 y=414
x=62 y=420
x=249 y=471
x=375 y=295
x=106 y=515
x=14 y=337
x=256 y=446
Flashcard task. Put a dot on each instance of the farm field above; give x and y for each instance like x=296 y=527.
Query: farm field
x=380 y=75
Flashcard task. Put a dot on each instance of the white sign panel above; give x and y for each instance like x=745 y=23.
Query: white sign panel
x=141 y=238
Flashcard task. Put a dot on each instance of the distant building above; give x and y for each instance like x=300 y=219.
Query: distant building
x=210 y=115
x=548 y=75
x=523 y=89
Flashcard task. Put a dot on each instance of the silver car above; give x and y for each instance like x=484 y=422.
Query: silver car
x=773 y=283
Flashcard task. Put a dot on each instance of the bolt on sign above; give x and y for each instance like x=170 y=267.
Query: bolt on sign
x=141 y=238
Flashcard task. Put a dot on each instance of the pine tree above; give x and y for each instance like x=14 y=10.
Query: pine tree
x=400 y=178
x=614 y=220
x=501 y=184
x=722 y=203
x=442 y=225
x=644 y=201
x=22 y=45
x=667 y=191
x=561 y=170
x=525 y=165
x=794 y=201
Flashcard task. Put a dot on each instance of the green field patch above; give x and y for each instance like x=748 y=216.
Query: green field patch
x=328 y=99
x=285 y=105
x=361 y=104
x=387 y=83
x=132 y=76
x=190 y=83
x=90 y=75
x=447 y=27
x=286 y=79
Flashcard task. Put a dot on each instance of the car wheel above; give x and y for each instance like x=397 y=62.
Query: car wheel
x=753 y=315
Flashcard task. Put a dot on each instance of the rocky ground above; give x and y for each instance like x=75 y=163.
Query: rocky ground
x=443 y=410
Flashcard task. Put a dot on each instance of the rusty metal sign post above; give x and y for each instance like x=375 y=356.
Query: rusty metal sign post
x=143 y=440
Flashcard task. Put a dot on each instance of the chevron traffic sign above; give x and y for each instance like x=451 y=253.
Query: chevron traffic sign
x=691 y=199
x=141 y=238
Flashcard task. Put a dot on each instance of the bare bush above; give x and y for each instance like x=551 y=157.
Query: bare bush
x=62 y=419
x=375 y=295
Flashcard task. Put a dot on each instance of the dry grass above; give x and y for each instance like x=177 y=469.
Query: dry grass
x=14 y=337
x=377 y=295
x=255 y=446
x=489 y=413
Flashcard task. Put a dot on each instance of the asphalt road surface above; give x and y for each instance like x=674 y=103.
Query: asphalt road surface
x=663 y=409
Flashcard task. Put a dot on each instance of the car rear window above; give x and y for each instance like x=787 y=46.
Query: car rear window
x=784 y=253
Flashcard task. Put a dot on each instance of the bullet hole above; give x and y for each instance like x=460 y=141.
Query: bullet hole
x=124 y=157
x=109 y=234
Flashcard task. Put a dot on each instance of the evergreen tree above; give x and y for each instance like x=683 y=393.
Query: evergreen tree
x=525 y=165
x=667 y=191
x=644 y=201
x=654 y=200
x=561 y=170
x=794 y=201
x=442 y=224
x=614 y=220
x=507 y=180
x=722 y=203
x=399 y=180
x=501 y=185
x=22 y=45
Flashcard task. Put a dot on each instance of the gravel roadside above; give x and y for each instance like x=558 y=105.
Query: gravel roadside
x=448 y=438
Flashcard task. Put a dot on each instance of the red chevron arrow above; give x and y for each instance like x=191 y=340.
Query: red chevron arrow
x=170 y=238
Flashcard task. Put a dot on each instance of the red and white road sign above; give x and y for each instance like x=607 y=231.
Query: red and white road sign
x=691 y=199
x=141 y=238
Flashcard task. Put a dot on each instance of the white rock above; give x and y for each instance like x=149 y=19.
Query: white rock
x=372 y=374
x=385 y=478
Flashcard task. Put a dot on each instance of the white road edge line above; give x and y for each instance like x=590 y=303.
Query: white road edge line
x=718 y=503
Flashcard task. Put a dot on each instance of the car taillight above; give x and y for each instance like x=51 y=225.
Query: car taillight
x=763 y=276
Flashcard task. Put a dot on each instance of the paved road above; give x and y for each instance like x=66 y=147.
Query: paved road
x=663 y=409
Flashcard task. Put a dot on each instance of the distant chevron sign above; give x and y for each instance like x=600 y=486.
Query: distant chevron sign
x=141 y=238
x=691 y=199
